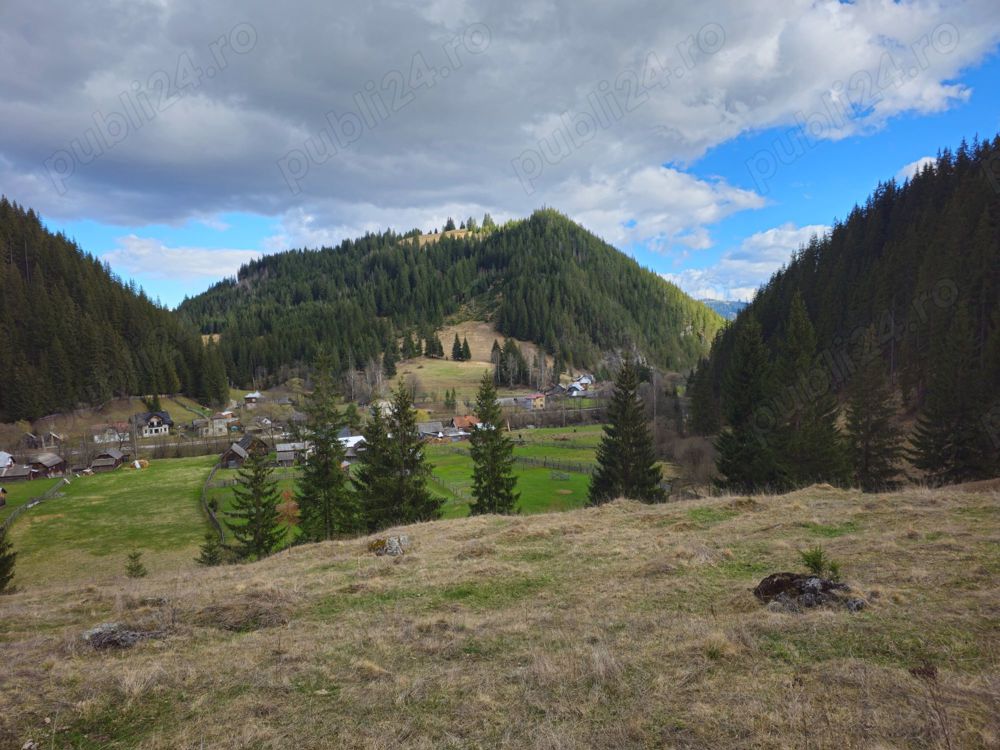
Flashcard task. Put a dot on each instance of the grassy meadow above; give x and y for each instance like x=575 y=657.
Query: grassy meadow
x=611 y=627
x=20 y=493
x=87 y=532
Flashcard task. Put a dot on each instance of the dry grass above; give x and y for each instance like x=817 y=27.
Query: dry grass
x=622 y=626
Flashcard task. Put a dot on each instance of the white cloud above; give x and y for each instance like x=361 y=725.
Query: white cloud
x=740 y=272
x=449 y=148
x=147 y=258
x=914 y=167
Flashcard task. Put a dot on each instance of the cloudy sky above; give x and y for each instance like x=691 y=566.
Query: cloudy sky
x=178 y=139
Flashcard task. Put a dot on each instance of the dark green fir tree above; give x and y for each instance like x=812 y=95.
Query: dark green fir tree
x=626 y=462
x=255 y=510
x=493 y=479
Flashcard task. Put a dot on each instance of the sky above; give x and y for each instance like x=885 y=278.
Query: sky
x=176 y=140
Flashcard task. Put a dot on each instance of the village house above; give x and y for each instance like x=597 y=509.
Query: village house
x=532 y=401
x=215 y=426
x=251 y=400
x=109 y=460
x=113 y=432
x=6 y=460
x=234 y=456
x=353 y=445
x=17 y=474
x=290 y=454
x=47 y=465
x=430 y=430
x=153 y=423
x=467 y=423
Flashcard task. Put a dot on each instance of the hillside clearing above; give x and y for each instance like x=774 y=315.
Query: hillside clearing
x=620 y=626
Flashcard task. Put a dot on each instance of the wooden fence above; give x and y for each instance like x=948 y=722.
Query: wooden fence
x=47 y=495
x=208 y=508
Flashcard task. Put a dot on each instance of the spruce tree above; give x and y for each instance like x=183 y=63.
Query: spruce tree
x=626 y=463
x=874 y=440
x=704 y=406
x=327 y=506
x=466 y=351
x=492 y=452
x=255 y=510
x=747 y=459
x=410 y=470
x=133 y=565
x=811 y=448
x=456 y=350
x=950 y=443
x=7 y=559
x=211 y=551
x=389 y=359
x=373 y=475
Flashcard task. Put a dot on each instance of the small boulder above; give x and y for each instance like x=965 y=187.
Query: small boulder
x=392 y=545
x=793 y=592
x=114 y=635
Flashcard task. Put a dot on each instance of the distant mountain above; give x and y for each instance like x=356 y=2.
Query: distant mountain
x=728 y=309
x=74 y=334
x=544 y=279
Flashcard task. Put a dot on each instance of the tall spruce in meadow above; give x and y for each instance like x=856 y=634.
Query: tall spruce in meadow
x=327 y=506
x=951 y=443
x=456 y=350
x=7 y=559
x=373 y=475
x=875 y=442
x=626 y=462
x=466 y=350
x=389 y=359
x=255 y=510
x=747 y=445
x=409 y=467
x=811 y=447
x=493 y=479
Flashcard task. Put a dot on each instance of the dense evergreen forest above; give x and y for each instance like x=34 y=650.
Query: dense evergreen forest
x=544 y=279
x=74 y=334
x=911 y=279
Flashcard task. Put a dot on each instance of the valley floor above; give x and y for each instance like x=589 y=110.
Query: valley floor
x=620 y=626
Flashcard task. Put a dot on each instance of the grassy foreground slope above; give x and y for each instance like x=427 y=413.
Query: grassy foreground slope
x=620 y=626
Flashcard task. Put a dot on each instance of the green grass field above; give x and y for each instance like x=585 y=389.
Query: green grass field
x=19 y=493
x=87 y=532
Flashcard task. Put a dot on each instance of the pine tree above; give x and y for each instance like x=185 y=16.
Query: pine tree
x=811 y=448
x=950 y=442
x=874 y=440
x=211 y=551
x=747 y=458
x=626 y=463
x=326 y=505
x=373 y=475
x=389 y=359
x=133 y=565
x=466 y=351
x=255 y=501
x=7 y=559
x=492 y=452
x=456 y=350
x=411 y=471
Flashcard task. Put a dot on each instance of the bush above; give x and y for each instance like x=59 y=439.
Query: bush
x=819 y=564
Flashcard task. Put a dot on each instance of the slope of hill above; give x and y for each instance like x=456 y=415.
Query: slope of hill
x=75 y=334
x=920 y=262
x=618 y=626
x=543 y=279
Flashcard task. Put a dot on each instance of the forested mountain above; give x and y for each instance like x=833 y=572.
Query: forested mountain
x=74 y=334
x=728 y=309
x=543 y=279
x=917 y=271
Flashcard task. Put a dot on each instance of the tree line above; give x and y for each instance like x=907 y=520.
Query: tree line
x=75 y=334
x=890 y=318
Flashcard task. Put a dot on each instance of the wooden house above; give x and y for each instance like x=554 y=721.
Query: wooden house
x=108 y=460
x=47 y=465
x=234 y=456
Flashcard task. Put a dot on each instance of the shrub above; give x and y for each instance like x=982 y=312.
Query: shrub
x=819 y=564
